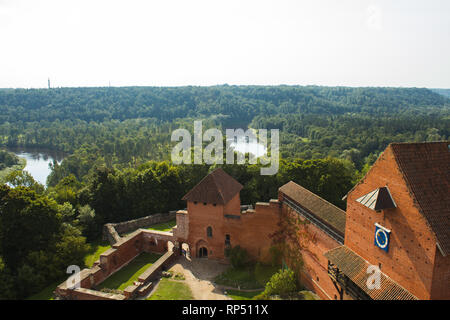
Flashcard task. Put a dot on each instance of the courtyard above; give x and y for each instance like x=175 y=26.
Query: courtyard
x=203 y=279
x=130 y=273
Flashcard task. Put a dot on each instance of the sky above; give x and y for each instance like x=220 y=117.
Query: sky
x=400 y=43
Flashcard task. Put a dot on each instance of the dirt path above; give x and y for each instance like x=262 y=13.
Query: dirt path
x=199 y=274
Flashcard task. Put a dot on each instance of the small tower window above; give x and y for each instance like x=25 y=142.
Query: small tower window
x=209 y=232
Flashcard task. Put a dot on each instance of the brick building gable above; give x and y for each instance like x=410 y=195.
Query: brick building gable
x=426 y=169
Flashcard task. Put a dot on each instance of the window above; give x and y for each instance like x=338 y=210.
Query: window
x=227 y=240
x=209 y=232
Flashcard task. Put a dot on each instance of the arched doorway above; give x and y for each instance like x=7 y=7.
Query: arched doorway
x=201 y=249
x=203 y=252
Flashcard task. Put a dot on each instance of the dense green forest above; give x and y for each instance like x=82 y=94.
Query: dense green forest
x=130 y=125
x=118 y=167
x=444 y=92
x=7 y=159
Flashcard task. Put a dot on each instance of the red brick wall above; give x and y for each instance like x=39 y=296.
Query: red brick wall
x=251 y=231
x=202 y=216
x=156 y=241
x=111 y=261
x=86 y=294
x=254 y=229
x=121 y=253
x=412 y=246
x=314 y=273
x=440 y=288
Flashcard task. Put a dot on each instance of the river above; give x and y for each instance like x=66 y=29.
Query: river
x=243 y=146
x=38 y=161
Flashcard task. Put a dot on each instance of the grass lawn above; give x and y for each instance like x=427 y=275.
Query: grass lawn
x=252 y=277
x=128 y=274
x=241 y=295
x=171 y=290
x=46 y=293
x=97 y=248
x=165 y=226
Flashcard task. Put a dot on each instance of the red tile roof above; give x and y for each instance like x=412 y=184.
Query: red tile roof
x=355 y=268
x=426 y=169
x=217 y=187
x=320 y=208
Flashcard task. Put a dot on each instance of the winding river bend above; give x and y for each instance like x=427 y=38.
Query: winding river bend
x=38 y=161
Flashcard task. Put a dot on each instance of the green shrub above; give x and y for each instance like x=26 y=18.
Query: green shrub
x=283 y=284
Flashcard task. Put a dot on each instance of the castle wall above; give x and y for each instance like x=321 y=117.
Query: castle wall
x=312 y=244
x=412 y=247
x=112 y=231
x=441 y=278
x=253 y=230
x=202 y=216
x=181 y=231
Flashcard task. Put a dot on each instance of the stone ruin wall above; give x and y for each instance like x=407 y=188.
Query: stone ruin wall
x=114 y=259
x=112 y=231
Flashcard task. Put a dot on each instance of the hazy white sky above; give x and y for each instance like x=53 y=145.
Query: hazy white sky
x=206 y=42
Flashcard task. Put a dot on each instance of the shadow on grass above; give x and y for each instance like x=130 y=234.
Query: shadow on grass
x=130 y=273
x=254 y=276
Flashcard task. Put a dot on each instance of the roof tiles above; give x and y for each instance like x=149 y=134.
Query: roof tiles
x=217 y=187
x=322 y=209
x=426 y=169
x=355 y=268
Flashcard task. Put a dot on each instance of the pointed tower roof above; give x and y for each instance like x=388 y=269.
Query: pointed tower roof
x=378 y=199
x=217 y=187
